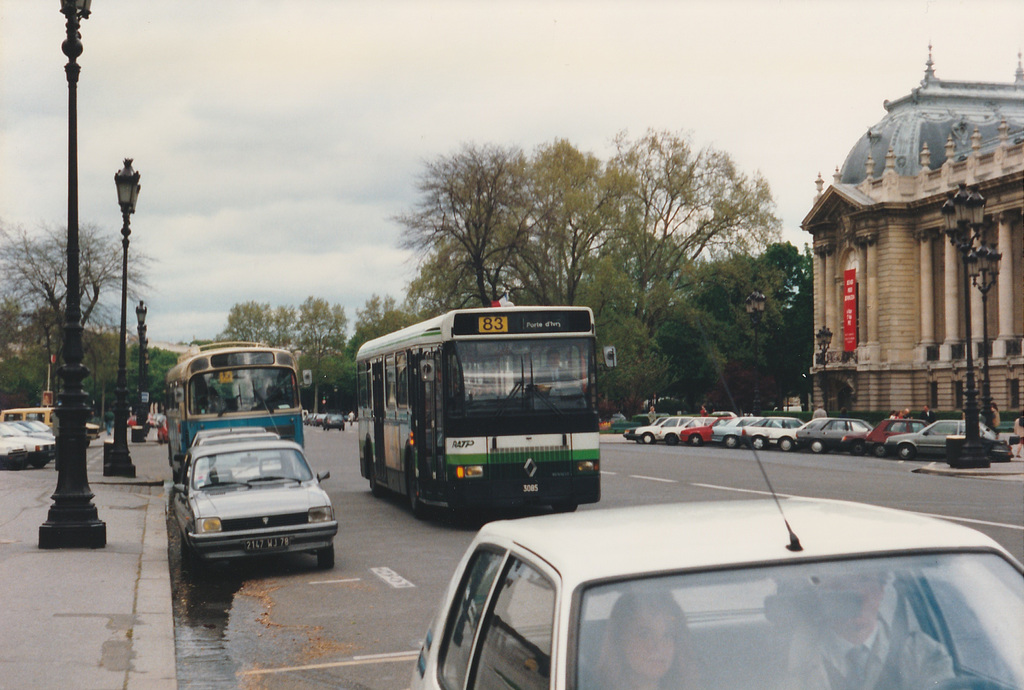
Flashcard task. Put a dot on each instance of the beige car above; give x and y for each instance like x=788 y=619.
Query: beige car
x=46 y=415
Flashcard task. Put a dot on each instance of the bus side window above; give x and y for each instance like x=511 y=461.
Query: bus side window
x=401 y=380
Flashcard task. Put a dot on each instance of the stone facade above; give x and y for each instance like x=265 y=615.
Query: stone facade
x=881 y=220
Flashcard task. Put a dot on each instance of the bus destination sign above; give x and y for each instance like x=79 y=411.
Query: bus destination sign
x=521 y=323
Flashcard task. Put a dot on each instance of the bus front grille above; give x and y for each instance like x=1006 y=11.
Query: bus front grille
x=529 y=462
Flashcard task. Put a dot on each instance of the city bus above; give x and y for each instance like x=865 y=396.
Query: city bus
x=231 y=384
x=479 y=408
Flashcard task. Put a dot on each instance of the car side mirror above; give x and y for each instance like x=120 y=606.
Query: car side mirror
x=325 y=475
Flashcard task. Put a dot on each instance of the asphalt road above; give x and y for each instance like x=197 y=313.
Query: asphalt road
x=282 y=623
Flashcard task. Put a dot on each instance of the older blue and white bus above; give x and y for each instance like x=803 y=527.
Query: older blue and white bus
x=231 y=384
x=491 y=407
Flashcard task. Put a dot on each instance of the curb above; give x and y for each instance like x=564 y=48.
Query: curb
x=1011 y=473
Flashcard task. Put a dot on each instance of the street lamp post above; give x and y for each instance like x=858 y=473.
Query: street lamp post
x=118 y=462
x=984 y=272
x=824 y=338
x=755 y=308
x=140 y=315
x=964 y=214
x=72 y=521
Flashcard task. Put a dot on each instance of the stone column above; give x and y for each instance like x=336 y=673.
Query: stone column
x=872 y=290
x=952 y=293
x=819 y=288
x=830 y=290
x=927 y=292
x=1007 y=268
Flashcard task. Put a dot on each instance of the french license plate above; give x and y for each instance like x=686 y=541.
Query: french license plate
x=531 y=488
x=266 y=543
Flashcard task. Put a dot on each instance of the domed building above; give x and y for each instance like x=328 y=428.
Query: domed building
x=889 y=284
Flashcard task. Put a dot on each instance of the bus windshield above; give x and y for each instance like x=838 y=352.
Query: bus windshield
x=266 y=389
x=495 y=377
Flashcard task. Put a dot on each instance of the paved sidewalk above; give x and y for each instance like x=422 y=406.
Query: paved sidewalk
x=88 y=618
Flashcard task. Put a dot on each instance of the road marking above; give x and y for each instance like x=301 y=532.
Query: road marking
x=354 y=661
x=610 y=474
x=334 y=582
x=391 y=577
x=1019 y=528
x=653 y=479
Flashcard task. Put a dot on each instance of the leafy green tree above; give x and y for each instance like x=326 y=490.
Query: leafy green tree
x=249 y=321
x=379 y=316
x=321 y=334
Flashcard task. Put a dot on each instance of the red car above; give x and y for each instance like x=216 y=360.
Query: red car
x=698 y=431
x=874 y=440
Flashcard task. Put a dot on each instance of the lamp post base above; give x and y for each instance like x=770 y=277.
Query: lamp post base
x=971 y=456
x=73 y=529
x=117 y=461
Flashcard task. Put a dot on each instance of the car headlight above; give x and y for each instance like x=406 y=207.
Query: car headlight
x=321 y=514
x=210 y=524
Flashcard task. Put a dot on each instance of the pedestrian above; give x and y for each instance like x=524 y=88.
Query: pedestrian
x=819 y=413
x=905 y=414
x=927 y=415
x=108 y=421
x=1018 y=429
x=651 y=415
x=994 y=418
x=894 y=415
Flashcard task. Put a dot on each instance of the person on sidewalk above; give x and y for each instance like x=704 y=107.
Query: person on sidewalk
x=927 y=415
x=1018 y=430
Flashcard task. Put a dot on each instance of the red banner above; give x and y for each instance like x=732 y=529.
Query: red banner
x=850 y=310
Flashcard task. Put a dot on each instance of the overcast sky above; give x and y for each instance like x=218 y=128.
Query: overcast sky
x=277 y=139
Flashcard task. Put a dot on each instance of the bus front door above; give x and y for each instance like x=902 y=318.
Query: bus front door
x=428 y=426
x=377 y=384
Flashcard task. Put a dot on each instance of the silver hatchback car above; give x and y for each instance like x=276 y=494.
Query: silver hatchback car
x=250 y=499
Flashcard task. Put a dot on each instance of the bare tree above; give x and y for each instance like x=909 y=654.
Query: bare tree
x=471 y=220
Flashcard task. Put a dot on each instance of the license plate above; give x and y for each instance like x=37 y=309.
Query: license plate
x=266 y=544
x=531 y=488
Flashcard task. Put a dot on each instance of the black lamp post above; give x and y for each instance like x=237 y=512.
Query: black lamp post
x=984 y=271
x=72 y=521
x=118 y=462
x=824 y=338
x=755 y=307
x=140 y=408
x=964 y=214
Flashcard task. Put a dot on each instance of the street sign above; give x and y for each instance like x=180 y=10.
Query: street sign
x=307 y=377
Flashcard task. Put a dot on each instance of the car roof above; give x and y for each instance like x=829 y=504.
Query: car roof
x=241 y=446
x=670 y=537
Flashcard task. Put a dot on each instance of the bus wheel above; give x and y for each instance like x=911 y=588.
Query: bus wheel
x=419 y=510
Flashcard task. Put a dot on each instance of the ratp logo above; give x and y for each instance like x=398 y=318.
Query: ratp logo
x=463 y=443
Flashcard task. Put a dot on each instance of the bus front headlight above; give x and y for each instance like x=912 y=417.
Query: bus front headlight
x=321 y=514
x=587 y=466
x=468 y=471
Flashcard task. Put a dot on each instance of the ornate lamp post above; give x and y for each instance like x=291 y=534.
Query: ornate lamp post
x=140 y=314
x=118 y=462
x=824 y=338
x=72 y=521
x=984 y=272
x=755 y=308
x=964 y=214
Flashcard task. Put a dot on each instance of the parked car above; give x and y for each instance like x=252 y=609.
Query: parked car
x=38 y=450
x=46 y=415
x=251 y=499
x=730 y=432
x=13 y=455
x=639 y=434
x=826 y=433
x=873 y=441
x=697 y=432
x=931 y=441
x=717 y=595
x=334 y=421
x=768 y=430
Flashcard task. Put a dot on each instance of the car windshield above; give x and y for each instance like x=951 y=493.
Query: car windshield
x=925 y=619
x=250 y=466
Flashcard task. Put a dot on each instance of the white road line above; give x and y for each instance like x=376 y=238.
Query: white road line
x=653 y=479
x=354 y=661
x=610 y=474
x=1019 y=528
x=334 y=582
x=391 y=577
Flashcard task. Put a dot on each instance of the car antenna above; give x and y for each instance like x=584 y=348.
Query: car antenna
x=794 y=541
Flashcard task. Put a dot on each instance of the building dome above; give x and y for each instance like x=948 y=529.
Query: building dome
x=936 y=114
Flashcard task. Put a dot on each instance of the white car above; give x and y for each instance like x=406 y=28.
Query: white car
x=252 y=498
x=665 y=429
x=769 y=430
x=39 y=451
x=724 y=595
x=13 y=455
